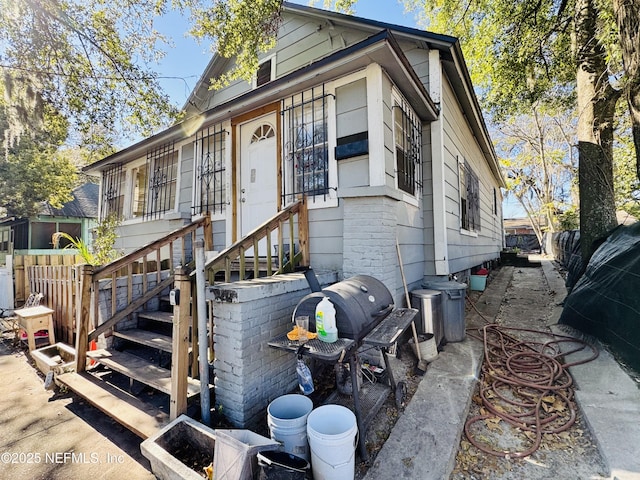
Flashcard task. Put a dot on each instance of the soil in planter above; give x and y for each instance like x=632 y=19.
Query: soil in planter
x=192 y=455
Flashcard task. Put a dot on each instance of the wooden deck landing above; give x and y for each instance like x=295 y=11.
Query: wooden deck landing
x=139 y=417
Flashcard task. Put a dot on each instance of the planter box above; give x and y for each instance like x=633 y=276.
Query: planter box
x=58 y=355
x=235 y=451
x=182 y=435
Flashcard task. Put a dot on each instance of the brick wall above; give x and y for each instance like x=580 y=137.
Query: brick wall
x=248 y=373
x=370 y=238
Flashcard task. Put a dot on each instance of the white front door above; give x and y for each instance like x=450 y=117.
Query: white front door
x=258 y=173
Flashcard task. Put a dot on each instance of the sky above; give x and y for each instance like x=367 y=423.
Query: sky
x=183 y=64
x=188 y=59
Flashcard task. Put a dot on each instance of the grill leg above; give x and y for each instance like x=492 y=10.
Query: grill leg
x=387 y=365
x=356 y=406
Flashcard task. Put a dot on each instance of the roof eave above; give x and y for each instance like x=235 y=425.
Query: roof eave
x=381 y=48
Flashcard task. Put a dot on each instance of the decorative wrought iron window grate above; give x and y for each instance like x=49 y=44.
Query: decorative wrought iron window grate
x=162 y=164
x=408 y=140
x=210 y=194
x=305 y=147
x=113 y=191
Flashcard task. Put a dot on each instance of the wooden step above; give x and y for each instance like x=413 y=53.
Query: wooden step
x=139 y=417
x=141 y=370
x=157 y=316
x=147 y=338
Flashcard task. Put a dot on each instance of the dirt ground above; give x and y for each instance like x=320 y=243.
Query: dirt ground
x=570 y=454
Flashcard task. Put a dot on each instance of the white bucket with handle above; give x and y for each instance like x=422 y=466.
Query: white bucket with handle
x=287 y=421
x=332 y=431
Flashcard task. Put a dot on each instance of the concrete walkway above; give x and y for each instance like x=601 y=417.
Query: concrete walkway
x=47 y=435
x=425 y=440
x=44 y=435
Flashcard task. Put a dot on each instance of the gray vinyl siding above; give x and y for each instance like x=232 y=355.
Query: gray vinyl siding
x=389 y=144
x=427 y=202
x=351 y=108
x=466 y=251
x=219 y=228
x=418 y=59
x=303 y=40
x=411 y=240
x=186 y=178
x=326 y=227
x=135 y=235
x=300 y=41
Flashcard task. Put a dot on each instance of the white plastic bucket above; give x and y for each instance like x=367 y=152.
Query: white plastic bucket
x=287 y=421
x=332 y=431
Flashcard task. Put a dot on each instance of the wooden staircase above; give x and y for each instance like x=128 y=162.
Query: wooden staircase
x=143 y=354
x=161 y=348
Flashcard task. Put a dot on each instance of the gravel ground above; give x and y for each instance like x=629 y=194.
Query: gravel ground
x=571 y=454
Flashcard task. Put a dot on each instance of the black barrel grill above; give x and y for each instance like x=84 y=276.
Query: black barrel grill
x=361 y=303
x=365 y=315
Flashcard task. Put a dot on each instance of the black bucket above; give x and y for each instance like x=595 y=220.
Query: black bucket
x=282 y=466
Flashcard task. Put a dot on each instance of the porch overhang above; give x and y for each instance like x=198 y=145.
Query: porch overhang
x=381 y=48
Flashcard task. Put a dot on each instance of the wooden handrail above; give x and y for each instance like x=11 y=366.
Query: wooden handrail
x=223 y=260
x=122 y=262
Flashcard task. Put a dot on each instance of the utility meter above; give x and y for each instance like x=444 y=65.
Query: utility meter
x=174 y=297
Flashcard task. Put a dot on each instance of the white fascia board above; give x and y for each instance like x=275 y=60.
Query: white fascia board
x=440 y=245
x=375 y=114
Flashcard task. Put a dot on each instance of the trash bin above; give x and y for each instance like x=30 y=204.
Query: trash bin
x=429 y=302
x=453 y=298
x=282 y=466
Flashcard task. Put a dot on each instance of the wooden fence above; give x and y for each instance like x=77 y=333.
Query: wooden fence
x=22 y=262
x=54 y=276
x=59 y=286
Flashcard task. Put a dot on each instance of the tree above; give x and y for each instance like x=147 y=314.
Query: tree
x=36 y=172
x=87 y=60
x=596 y=103
x=553 y=52
x=537 y=157
x=627 y=13
x=626 y=182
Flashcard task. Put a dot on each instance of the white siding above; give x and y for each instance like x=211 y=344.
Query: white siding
x=466 y=251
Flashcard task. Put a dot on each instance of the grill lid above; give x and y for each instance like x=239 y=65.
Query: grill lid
x=361 y=302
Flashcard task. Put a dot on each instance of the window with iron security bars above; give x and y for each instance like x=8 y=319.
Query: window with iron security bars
x=305 y=145
x=469 y=198
x=162 y=163
x=408 y=141
x=210 y=191
x=113 y=188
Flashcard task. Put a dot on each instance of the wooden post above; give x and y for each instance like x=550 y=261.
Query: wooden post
x=180 y=346
x=303 y=233
x=83 y=319
x=208 y=234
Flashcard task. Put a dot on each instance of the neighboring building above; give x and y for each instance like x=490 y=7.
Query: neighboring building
x=376 y=124
x=520 y=234
x=32 y=236
x=518 y=226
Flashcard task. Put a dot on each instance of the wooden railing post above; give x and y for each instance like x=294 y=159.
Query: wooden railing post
x=83 y=317
x=303 y=233
x=208 y=234
x=180 y=346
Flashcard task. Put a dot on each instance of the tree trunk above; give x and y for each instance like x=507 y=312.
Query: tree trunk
x=627 y=14
x=596 y=106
